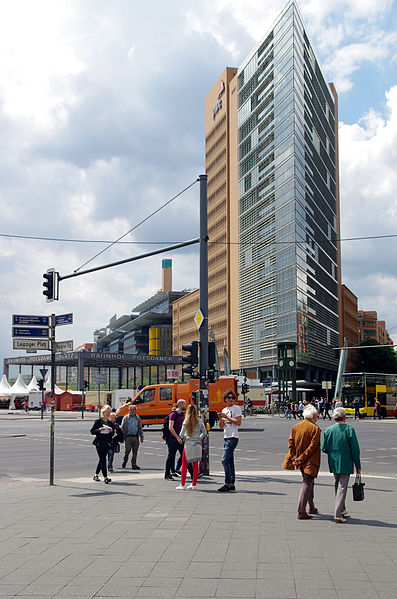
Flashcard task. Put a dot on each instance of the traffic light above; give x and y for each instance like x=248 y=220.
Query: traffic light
x=86 y=385
x=192 y=358
x=51 y=284
x=212 y=355
x=244 y=388
x=211 y=361
x=40 y=383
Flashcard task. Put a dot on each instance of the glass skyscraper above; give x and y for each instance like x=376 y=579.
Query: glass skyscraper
x=288 y=197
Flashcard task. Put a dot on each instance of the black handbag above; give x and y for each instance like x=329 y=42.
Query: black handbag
x=358 y=489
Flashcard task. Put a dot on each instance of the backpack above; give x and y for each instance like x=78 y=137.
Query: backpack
x=166 y=427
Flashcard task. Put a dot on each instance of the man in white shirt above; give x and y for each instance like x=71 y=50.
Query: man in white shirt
x=229 y=421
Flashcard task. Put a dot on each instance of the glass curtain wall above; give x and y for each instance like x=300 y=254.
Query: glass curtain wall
x=287 y=218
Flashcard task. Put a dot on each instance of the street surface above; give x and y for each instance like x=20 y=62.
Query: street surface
x=262 y=446
x=140 y=537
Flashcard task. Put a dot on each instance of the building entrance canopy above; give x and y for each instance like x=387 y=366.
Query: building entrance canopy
x=99 y=360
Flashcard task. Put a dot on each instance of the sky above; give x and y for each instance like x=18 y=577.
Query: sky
x=102 y=122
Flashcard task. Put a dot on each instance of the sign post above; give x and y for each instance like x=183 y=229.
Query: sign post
x=43 y=372
x=101 y=378
x=31 y=332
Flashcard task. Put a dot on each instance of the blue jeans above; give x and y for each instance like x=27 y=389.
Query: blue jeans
x=229 y=445
x=110 y=458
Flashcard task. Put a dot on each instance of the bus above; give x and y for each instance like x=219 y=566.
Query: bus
x=367 y=387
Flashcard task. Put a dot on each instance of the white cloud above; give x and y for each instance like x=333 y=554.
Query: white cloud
x=349 y=58
x=368 y=155
x=101 y=114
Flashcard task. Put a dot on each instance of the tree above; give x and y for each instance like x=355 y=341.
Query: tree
x=381 y=359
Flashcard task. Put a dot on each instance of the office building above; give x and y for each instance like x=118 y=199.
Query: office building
x=288 y=188
x=349 y=327
x=277 y=140
x=220 y=167
x=372 y=328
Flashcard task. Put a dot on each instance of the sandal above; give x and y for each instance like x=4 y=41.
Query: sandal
x=107 y=480
x=96 y=477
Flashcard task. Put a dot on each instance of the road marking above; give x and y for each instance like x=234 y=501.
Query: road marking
x=140 y=475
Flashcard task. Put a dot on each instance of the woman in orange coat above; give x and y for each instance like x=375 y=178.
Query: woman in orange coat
x=304 y=453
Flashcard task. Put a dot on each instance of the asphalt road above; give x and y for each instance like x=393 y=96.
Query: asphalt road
x=262 y=447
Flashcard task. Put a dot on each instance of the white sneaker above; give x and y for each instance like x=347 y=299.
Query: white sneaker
x=180 y=487
x=344 y=513
x=191 y=487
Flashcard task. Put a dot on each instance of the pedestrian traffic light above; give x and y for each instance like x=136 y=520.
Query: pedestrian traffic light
x=40 y=383
x=244 y=388
x=86 y=385
x=51 y=284
x=192 y=358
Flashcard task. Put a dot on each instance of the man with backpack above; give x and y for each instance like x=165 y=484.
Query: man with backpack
x=173 y=440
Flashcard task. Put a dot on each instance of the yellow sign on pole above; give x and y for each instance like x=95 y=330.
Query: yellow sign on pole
x=199 y=318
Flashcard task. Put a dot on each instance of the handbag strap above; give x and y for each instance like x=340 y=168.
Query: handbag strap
x=358 y=478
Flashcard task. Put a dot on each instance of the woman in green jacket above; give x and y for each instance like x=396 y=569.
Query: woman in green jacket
x=341 y=444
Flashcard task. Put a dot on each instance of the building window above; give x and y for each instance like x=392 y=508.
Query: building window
x=247 y=183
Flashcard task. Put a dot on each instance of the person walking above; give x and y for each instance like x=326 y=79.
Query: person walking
x=103 y=431
x=340 y=443
x=304 y=453
x=378 y=409
x=117 y=438
x=356 y=406
x=131 y=427
x=174 y=442
x=229 y=420
x=326 y=407
x=192 y=432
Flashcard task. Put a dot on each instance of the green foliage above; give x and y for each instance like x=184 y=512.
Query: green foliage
x=381 y=359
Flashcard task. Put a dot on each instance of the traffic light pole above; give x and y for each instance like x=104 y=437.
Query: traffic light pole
x=52 y=426
x=203 y=301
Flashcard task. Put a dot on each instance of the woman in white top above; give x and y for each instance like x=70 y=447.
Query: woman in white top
x=192 y=432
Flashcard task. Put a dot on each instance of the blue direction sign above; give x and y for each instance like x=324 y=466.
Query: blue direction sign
x=64 y=319
x=36 y=332
x=27 y=320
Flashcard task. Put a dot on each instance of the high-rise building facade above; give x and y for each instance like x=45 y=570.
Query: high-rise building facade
x=289 y=258
x=220 y=166
x=271 y=148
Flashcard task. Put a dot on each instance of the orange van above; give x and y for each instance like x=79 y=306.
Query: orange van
x=154 y=403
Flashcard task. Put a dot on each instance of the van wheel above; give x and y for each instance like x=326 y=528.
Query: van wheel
x=212 y=419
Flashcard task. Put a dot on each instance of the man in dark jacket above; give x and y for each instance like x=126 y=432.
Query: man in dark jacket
x=131 y=427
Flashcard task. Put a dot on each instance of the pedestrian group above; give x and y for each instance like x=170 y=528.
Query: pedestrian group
x=184 y=432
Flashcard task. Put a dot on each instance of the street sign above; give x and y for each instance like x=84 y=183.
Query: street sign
x=31 y=344
x=326 y=385
x=173 y=374
x=43 y=372
x=63 y=346
x=101 y=379
x=199 y=318
x=64 y=319
x=37 y=332
x=27 y=320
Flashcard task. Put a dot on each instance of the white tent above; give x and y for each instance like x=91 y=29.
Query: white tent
x=5 y=387
x=33 y=385
x=19 y=389
x=48 y=389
